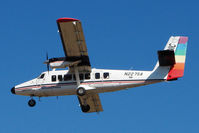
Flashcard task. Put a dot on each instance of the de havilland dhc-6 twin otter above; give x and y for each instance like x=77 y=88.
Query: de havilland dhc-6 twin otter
x=86 y=82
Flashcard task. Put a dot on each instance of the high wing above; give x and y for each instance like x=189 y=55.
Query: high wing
x=73 y=42
x=92 y=100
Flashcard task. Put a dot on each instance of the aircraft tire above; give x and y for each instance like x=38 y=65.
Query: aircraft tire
x=85 y=108
x=81 y=91
x=31 y=102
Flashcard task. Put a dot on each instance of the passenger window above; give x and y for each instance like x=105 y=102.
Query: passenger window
x=81 y=76
x=97 y=75
x=87 y=76
x=60 y=77
x=41 y=76
x=53 y=78
x=106 y=75
x=74 y=78
x=67 y=77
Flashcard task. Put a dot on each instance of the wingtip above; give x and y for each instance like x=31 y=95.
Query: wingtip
x=66 y=19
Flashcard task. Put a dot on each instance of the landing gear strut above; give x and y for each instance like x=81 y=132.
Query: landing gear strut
x=81 y=92
x=31 y=102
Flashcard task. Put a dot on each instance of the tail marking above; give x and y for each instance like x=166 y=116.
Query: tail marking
x=177 y=70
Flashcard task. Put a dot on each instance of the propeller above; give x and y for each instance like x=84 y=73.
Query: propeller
x=47 y=62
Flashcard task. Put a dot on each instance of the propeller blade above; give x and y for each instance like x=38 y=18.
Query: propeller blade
x=48 y=67
x=46 y=55
x=47 y=61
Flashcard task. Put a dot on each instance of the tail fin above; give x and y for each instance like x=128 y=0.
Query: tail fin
x=173 y=58
x=177 y=70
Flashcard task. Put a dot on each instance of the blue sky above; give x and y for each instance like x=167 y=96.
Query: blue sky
x=120 y=34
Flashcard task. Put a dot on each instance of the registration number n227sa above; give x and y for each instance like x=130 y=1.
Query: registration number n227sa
x=133 y=74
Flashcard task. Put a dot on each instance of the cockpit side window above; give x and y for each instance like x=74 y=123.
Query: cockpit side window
x=41 y=76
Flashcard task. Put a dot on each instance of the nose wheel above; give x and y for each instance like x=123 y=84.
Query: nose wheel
x=31 y=102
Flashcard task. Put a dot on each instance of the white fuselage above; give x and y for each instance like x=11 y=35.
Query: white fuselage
x=61 y=82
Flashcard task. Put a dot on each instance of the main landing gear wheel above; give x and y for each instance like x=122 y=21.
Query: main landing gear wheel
x=31 y=102
x=81 y=91
x=85 y=108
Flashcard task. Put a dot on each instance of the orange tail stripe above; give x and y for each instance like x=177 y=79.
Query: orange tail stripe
x=179 y=66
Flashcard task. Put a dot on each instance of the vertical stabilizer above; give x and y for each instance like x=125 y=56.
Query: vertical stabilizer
x=177 y=70
x=171 y=60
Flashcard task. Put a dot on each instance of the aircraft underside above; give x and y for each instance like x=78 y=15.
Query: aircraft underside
x=66 y=89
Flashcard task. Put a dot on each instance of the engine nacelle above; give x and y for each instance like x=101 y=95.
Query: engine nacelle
x=60 y=62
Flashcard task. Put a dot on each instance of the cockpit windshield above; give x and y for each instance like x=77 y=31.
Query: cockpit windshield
x=41 y=76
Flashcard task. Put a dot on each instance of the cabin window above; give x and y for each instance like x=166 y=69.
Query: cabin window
x=67 y=77
x=87 y=76
x=74 y=77
x=60 y=77
x=41 y=76
x=97 y=75
x=53 y=78
x=81 y=76
x=106 y=75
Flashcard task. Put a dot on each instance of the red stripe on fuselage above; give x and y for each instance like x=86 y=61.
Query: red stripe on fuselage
x=34 y=86
x=113 y=82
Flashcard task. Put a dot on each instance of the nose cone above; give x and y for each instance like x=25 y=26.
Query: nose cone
x=13 y=90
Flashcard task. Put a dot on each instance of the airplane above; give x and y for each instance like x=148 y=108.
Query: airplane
x=86 y=82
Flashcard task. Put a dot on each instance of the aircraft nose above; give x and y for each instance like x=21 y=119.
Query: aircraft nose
x=13 y=90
